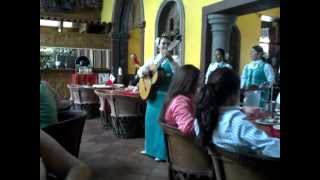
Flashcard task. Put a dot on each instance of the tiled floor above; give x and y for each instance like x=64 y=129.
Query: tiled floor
x=112 y=158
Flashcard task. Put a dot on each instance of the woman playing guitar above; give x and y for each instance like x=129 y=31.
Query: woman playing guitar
x=154 y=138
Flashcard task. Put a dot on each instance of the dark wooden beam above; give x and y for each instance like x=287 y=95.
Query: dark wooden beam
x=241 y=7
x=51 y=37
x=80 y=16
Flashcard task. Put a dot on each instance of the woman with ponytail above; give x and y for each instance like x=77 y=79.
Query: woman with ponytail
x=220 y=121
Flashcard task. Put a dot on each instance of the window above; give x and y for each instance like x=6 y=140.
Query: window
x=99 y=58
x=52 y=23
x=264 y=40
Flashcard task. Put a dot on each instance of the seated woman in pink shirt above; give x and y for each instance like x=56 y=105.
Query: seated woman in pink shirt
x=178 y=108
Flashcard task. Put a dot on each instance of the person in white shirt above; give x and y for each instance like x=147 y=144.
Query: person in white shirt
x=220 y=63
x=219 y=120
x=257 y=74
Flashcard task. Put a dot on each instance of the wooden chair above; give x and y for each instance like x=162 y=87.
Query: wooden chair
x=127 y=119
x=187 y=160
x=68 y=131
x=62 y=104
x=236 y=166
x=82 y=95
x=105 y=110
x=84 y=98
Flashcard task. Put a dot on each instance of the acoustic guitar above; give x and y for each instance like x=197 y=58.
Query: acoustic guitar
x=147 y=82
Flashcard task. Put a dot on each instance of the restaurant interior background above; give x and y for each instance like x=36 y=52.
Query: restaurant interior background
x=109 y=31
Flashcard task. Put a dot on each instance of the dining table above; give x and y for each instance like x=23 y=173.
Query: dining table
x=269 y=128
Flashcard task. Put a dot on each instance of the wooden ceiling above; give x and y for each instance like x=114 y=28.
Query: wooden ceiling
x=80 y=11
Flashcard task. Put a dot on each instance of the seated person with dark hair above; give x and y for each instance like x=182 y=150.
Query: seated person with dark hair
x=221 y=122
x=48 y=106
x=55 y=159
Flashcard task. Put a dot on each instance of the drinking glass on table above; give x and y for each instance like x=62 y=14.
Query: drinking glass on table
x=269 y=109
x=252 y=98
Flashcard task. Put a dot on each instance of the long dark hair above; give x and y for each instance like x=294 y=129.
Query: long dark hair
x=222 y=84
x=184 y=82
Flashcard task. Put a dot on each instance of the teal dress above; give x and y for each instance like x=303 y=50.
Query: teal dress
x=154 y=138
x=257 y=77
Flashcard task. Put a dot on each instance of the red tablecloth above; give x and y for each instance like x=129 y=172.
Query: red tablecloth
x=267 y=128
x=84 y=79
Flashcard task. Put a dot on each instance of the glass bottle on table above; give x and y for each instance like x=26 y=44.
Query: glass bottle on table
x=120 y=76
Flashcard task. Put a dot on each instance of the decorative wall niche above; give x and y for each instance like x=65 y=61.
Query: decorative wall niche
x=170 y=18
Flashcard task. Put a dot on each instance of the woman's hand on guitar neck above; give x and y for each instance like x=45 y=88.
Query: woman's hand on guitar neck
x=149 y=70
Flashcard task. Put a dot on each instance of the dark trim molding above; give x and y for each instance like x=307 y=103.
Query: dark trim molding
x=182 y=24
x=241 y=7
x=119 y=36
x=142 y=27
x=234 y=7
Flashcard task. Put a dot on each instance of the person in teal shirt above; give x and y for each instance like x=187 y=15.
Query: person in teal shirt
x=48 y=107
x=154 y=137
x=258 y=74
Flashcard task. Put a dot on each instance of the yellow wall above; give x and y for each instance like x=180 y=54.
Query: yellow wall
x=249 y=26
x=275 y=12
x=193 y=18
x=250 y=29
x=106 y=12
x=150 y=13
x=134 y=46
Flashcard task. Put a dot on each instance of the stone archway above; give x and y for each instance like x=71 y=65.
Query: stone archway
x=170 y=17
x=119 y=36
x=121 y=24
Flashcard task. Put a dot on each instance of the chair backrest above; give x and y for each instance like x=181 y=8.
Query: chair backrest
x=184 y=154
x=68 y=131
x=87 y=96
x=82 y=95
x=64 y=105
x=230 y=166
x=74 y=93
x=123 y=106
x=103 y=101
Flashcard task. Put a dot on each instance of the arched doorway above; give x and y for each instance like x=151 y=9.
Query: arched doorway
x=123 y=21
x=170 y=18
